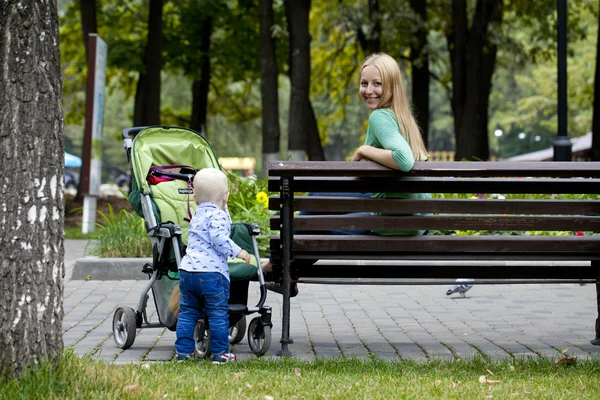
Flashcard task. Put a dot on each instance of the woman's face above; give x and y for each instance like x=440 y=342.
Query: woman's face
x=370 y=86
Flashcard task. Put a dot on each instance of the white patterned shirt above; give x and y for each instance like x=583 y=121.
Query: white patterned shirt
x=209 y=243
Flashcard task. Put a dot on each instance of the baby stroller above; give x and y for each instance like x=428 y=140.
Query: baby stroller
x=164 y=161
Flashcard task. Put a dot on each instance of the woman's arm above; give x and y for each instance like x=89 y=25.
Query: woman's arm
x=380 y=156
x=394 y=151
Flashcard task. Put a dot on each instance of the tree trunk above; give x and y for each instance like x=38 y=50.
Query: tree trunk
x=419 y=58
x=595 y=151
x=369 y=34
x=31 y=186
x=201 y=86
x=147 y=96
x=303 y=132
x=89 y=22
x=271 y=132
x=473 y=56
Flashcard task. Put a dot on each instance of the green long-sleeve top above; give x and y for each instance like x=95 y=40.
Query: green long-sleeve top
x=384 y=133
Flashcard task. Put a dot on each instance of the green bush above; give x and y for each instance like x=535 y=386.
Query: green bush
x=483 y=197
x=121 y=235
x=248 y=202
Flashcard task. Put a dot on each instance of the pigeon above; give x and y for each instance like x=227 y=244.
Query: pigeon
x=461 y=288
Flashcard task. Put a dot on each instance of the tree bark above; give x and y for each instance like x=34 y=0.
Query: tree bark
x=369 y=35
x=89 y=22
x=472 y=56
x=201 y=86
x=31 y=186
x=595 y=151
x=147 y=96
x=303 y=132
x=269 y=72
x=419 y=58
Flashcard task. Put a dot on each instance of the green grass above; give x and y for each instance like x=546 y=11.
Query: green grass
x=121 y=234
x=79 y=378
x=75 y=233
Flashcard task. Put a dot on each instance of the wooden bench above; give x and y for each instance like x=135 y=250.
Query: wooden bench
x=524 y=258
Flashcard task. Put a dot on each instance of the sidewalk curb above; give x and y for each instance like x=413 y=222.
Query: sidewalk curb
x=109 y=269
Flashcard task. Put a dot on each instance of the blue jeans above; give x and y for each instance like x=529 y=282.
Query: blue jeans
x=213 y=289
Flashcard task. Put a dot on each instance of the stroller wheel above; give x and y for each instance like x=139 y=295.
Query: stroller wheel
x=201 y=340
x=237 y=331
x=259 y=337
x=124 y=326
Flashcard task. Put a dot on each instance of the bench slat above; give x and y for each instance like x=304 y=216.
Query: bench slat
x=464 y=169
x=466 y=206
x=441 y=222
x=441 y=185
x=400 y=247
x=386 y=272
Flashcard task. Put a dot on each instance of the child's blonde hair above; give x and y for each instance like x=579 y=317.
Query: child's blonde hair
x=394 y=98
x=210 y=184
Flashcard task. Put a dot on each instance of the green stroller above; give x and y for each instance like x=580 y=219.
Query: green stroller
x=163 y=161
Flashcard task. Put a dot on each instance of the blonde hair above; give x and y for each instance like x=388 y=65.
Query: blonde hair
x=210 y=184
x=394 y=99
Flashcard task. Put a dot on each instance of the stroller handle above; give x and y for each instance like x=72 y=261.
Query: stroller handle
x=127 y=136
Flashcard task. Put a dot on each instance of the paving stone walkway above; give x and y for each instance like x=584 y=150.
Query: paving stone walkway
x=391 y=322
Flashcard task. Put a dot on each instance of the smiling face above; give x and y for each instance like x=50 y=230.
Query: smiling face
x=370 y=86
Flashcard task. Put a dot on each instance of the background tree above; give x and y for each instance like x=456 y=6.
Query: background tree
x=303 y=132
x=269 y=85
x=147 y=95
x=473 y=59
x=596 y=118
x=89 y=21
x=419 y=61
x=31 y=196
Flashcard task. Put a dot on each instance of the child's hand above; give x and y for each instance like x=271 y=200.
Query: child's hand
x=243 y=254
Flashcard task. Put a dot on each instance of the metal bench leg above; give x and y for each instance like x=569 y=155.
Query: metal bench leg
x=287 y=198
x=596 y=341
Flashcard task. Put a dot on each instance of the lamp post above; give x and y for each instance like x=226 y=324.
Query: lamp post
x=562 y=144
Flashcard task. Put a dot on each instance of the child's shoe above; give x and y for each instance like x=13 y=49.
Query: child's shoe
x=223 y=358
x=184 y=357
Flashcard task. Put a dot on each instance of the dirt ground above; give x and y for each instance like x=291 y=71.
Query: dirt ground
x=74 y=209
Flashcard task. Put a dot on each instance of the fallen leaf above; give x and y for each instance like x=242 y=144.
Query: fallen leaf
x=130 y=388
x=249 y=386
x=237 y=376
x=268 y=397
x=567 y=360
x=297 y=371
x=484 y=381
x=437 y=382
x=565 y=350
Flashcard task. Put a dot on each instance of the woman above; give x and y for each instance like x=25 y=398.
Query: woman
x=382 y=90
x=393 y=137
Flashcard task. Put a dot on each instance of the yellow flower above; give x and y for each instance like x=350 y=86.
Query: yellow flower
x=262 y=197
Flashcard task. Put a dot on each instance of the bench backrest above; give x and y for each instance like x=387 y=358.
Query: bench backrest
x=485 y=179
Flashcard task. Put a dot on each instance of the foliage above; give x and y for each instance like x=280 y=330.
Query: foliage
x=248 y=202
x=512 y=196
x=334 y=378
x=121 y=235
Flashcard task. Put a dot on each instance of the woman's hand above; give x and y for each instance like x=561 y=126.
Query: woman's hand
x=359 y=154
